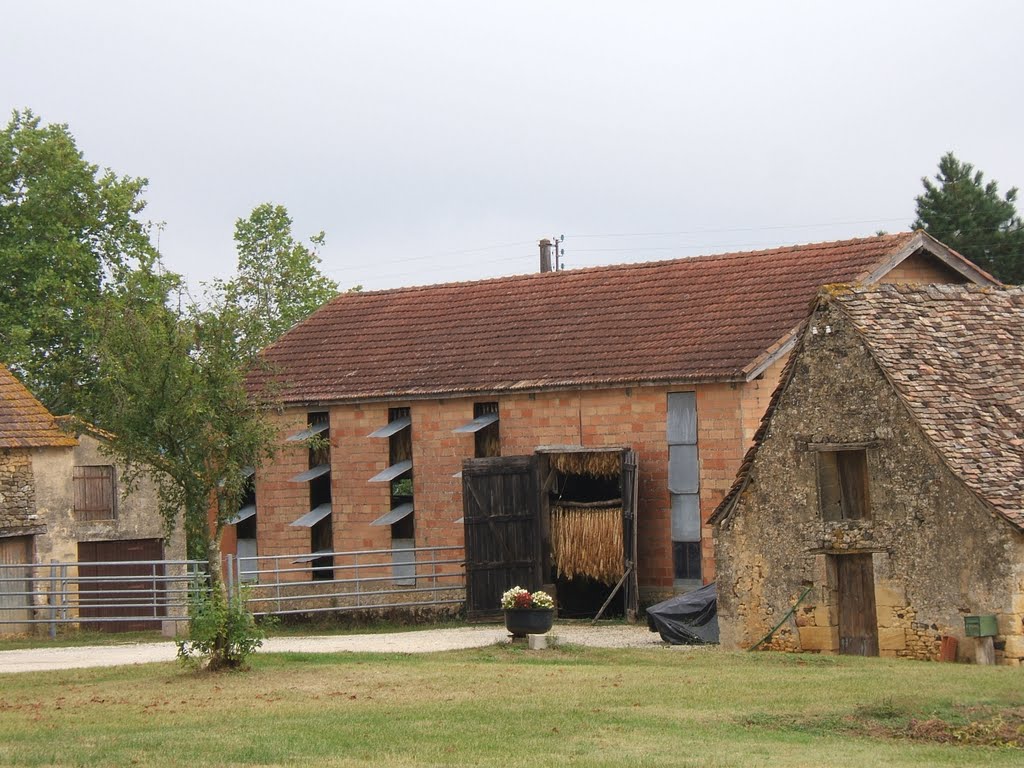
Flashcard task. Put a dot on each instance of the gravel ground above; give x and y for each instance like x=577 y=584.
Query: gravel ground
x=421 y=641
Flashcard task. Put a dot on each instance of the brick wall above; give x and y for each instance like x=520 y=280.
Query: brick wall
x=756 y=396
x=920 y=268
x=137 y=508
x=278 y=501
x=633 y=417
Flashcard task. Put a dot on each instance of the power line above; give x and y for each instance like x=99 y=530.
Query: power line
x=711 y=230
x=702 y=247
x=447 y=253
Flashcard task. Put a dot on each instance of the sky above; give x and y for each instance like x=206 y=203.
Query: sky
x=439 y=141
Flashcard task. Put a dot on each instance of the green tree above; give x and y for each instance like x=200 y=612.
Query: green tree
x=278 y=281
x=173 y=386
x=967 y=213
x=70 y=237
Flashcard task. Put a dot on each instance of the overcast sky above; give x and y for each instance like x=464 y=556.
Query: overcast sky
x=438 y=141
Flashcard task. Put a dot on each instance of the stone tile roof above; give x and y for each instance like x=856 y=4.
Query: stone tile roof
x=24 y=422
x=692 y=319
x=955 y=354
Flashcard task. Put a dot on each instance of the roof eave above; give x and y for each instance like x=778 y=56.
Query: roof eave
x=921 y=240
x=518 y=388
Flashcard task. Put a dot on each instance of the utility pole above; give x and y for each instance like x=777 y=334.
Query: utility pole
x=546 y=246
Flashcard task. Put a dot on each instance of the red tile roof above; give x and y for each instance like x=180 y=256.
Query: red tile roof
x=691 y=319
x=24 y=422
x=955 y=354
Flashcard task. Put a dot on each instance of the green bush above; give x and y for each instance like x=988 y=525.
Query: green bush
x=222 y=632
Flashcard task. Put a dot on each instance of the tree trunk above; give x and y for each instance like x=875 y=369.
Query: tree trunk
x=219 y=657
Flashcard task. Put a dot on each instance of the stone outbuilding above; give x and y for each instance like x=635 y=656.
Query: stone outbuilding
x=885 y=486
x=675 y=360
x=61 y=499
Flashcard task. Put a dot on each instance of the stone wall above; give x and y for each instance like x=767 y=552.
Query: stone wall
x=17 y=491
x=137 y=512
x=938 y=553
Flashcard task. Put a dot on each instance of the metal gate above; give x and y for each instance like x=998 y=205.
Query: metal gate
x=501 y=505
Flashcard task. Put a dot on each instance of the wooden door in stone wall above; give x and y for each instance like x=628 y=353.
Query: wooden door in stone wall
x=858 y=621
x=15 y=584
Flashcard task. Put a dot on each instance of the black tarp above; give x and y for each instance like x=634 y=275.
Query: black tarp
x=689 y=619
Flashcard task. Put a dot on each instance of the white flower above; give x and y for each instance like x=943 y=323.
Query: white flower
x=537 y=600
x=542 y=600
x=508 y=599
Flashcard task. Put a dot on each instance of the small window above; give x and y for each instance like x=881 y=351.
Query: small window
x=401 y=515
x=843 y=485
x=684 y=488
x=400 y=442
x=487 y=440
x=686 y=560
x=321 y=540
x=319 y=518
x=94 y=493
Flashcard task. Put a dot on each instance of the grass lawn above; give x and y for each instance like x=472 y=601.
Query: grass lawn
x=509 y=707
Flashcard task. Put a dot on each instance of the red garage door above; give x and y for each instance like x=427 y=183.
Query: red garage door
x=120 y=584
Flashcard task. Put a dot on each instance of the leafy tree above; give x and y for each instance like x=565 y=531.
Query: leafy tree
x=173 y=386
x=278 y=282
x=967 y=213
x=69 y=237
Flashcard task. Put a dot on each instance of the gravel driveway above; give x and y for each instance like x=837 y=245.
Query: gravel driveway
x=420 y=641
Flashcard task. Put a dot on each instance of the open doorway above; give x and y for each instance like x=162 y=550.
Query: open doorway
x=592 y=529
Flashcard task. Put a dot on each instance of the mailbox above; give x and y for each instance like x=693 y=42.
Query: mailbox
x=980 y=626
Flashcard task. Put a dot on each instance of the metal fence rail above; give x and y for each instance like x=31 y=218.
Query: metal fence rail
x=137 y=592
x=121 y=595
x=338 y=582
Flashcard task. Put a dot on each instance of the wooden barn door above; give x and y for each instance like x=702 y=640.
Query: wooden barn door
x=117 y=586
x=15 y=583
x=501 y=509
x=858 y=622
x=630 y=487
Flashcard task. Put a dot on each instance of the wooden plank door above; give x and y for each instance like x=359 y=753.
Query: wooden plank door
x=858 y=622
x=629 y=484
x=115 y=586
x=15 y=583
x=501 y=510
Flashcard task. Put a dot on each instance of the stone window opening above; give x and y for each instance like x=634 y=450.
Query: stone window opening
x=843 y=485
x=95 y=497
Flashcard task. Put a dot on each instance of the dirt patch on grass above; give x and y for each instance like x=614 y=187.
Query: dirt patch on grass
x=967 y=726
x=1004 y=728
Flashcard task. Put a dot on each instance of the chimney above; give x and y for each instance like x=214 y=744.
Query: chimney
x=545 y=255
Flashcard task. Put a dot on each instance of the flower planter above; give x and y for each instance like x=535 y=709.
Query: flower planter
x=529 y=621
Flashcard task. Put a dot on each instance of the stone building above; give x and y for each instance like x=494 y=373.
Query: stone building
x=886 y=480
x=60 y=498
x=398 y=381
